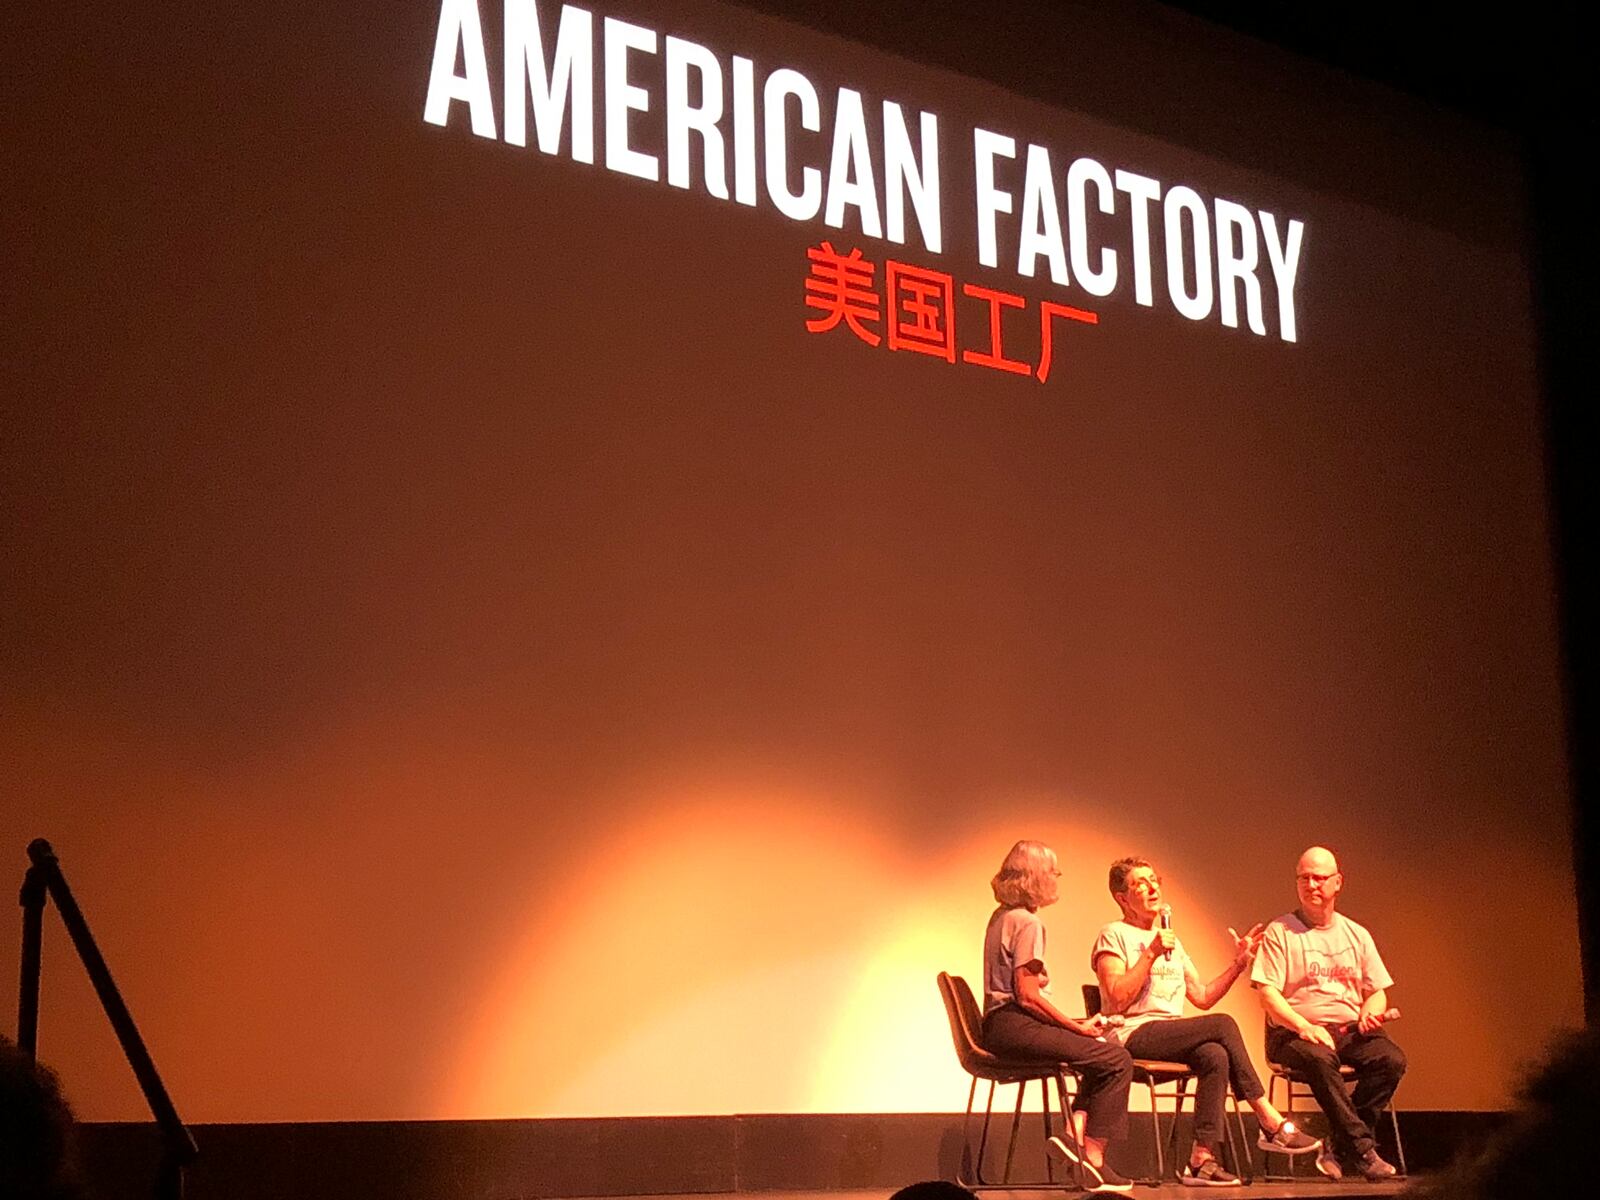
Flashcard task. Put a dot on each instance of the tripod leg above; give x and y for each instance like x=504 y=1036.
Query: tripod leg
x=33 y=899
x=169 y=1179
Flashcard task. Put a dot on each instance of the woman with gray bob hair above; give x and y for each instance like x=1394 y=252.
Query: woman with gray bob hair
x=1022 y=1023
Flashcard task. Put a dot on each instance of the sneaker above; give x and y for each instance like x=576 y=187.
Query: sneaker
x=1095 y=1179
x=1373 y=1169
x=1286 y=1139
x=1105 y=1178
x=1059 y=1151
x=1328 y=1164
x=1210 y=1173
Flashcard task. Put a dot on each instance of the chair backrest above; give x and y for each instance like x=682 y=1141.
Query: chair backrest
x=966 y=1024
x=1091 y=999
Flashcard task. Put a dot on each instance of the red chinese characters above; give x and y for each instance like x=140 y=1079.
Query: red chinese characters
x=840 y=288
x=917 y=309
x=922 y=310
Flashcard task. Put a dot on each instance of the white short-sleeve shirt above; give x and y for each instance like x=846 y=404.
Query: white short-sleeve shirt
x=1323 y=972
x=1163 y=993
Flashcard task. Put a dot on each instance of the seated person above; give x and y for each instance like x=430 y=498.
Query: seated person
x=1022 y=1023
x=1144 y=974
x=1324 y=988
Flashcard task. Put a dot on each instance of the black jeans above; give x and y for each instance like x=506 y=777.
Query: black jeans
x=1211 y=1047
x=1105 y=1069
x=1352 y=1116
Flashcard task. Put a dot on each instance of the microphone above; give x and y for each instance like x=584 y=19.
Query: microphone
x=1388 y=1014
x=1166 y=923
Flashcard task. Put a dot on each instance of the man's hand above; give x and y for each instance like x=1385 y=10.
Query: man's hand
x=1371 y=1019
x=1244 y=948
x=1318 y=1036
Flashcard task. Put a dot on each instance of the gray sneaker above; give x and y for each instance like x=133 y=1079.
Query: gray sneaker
x=1373 y=1169
x=1210 y=1173
x=1286 y=1139
x=1328 y=1164
x=1105 y=1178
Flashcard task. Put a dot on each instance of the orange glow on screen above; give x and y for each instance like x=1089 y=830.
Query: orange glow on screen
x=763 y=953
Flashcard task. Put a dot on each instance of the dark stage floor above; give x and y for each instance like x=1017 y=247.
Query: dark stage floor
x=1319 y=1189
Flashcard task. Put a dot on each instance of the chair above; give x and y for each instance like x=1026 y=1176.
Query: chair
x=966 y=1031
x=1295 y=1084
x=1152 y=1073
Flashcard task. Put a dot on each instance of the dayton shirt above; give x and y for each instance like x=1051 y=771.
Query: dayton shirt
x=1324 y=973
x=1162 y=995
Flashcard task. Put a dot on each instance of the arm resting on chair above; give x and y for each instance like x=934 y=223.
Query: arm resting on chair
x=1032 y=1000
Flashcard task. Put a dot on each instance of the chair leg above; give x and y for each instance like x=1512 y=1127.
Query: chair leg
x=1049 y=1163
x=1016 y=1124
x=1178 y=1098
x=975 y=1180
x=983 y=1140
x=1155 y=1130
x=1070 y=1124
x=1244 y=1159
x=1399 y=1146
x=1287 y=1109
x=964 y=1171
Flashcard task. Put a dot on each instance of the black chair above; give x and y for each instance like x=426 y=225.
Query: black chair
x=966 y=1031
x=1154 y=1073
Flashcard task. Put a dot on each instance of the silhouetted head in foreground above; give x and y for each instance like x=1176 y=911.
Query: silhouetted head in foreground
x=37 y=1153
x=1533 y=1154
x=934 y=1189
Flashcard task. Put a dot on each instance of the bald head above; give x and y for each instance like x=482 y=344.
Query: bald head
x=1319 y=859
x=1317 y=882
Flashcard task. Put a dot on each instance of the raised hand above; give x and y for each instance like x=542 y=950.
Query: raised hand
x=1245 y=946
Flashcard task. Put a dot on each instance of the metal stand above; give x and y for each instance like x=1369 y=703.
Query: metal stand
x=44 y=881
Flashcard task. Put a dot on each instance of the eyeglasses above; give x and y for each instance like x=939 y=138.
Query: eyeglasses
x=1144 y=883
x=1310 y=877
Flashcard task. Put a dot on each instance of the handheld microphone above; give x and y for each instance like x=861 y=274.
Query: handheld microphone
x=1388 y=1014
x=1166 y=923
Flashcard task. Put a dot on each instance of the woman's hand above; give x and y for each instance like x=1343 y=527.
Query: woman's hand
x=1163 y=942
x=1245 y=947
x=1094 y=1026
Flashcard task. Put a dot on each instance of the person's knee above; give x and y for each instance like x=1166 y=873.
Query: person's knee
x=1209 y=1058
x=1226 y=1026
x=1391 y=1063
x=1110 y=1063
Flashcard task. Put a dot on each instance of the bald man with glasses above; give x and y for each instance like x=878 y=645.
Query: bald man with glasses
x=1324 y=987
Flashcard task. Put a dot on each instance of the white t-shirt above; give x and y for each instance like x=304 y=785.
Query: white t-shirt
x=1163 y=993
x=1324 y=973
x=1014 y=938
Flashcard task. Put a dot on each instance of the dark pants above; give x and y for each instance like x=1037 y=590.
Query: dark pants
x=1211 y=1047
x=1104 y=1069
x=1352 y=1116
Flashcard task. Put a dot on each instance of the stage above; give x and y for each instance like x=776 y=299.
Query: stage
x=1321 y=1188
x=770 y=1156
